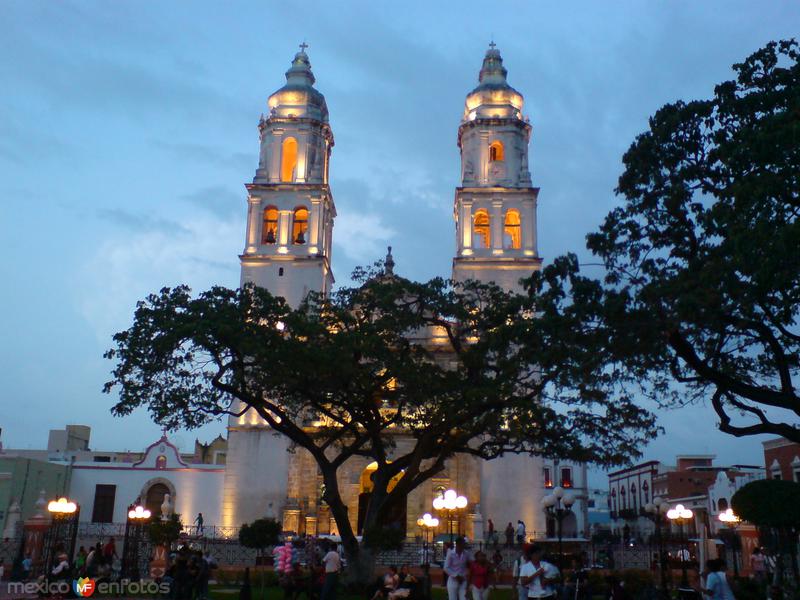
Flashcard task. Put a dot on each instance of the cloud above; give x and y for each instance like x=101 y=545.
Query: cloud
x=362 y=237
x=208 y=154
x=123 y=271
x=140 y=223
x=219 y=200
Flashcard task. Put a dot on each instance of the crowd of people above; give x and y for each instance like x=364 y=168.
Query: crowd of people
x=320 y=578
x=100 y=562
x=533 y=577
x=513 y=535
x=188 y=575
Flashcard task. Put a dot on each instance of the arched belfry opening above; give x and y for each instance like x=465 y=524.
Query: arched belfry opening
x=300 y=225
x=481 y=229
x=288 y=159
x=512 y=230
x=496 y=151
x=270 y=228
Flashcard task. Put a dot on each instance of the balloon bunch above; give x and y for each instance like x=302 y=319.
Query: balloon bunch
x=283 y=555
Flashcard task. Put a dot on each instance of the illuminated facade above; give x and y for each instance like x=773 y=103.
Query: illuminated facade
x=495 y=214
x=287 y=250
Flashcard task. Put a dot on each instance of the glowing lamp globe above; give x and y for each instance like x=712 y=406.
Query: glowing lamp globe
x=729 y=517
x=62 y=506
x=139 y=512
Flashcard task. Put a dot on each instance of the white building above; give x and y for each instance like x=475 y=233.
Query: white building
x=106 y=490
x=287 y=250
x=574 y=478
x=724 y=487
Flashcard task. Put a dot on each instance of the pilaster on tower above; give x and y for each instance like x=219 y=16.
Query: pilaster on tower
x=495 y=206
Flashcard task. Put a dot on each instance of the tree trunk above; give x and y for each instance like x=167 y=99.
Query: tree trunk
x=360 y=561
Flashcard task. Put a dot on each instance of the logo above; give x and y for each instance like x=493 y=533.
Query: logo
x=83 y=587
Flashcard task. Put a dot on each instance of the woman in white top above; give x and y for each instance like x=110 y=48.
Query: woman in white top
x=455 y=565
x=716 y=587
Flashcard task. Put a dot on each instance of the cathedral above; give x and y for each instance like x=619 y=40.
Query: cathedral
x=289 y=239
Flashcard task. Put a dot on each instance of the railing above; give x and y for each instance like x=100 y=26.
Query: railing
x=211 y=532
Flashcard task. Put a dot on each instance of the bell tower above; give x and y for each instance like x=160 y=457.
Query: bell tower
x=290 y=213
x=495 y=206
x=495 y=214
x=290 y=206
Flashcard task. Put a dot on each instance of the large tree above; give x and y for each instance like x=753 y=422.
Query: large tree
x=773 y=506
x=343 y=376
x=702 y=260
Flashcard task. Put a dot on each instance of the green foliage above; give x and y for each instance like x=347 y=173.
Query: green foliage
x=164 y=532
x=260 y=534
x=340 y=375
x=701 y=292
x=769 y=503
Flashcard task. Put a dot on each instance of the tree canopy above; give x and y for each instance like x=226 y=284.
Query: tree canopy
x=701 y=290
x=341 y=376
x=260 y=534
x=769 y=503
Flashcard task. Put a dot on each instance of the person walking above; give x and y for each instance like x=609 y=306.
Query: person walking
x=538 y=575
x=716 y=585
x=80 y=562
x=520 y=532
x=490 y=531
x=516 y=571
x=509 y=535
x=456 y=565
x=333 y=564
x=110 y=552
x=758 y=565
x=480 y=571
x=198 y=521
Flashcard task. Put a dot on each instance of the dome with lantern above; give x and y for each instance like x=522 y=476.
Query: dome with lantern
x=493 y=98
x=298 y=99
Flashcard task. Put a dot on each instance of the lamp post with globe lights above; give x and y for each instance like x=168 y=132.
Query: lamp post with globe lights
x=138 y=517
x=450 y=502
x=731 y=519
x=558 y=504
x=64 y=514
x=657 y=511
x=681 y=515
x=427 y=524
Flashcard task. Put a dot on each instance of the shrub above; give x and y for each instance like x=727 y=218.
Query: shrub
x=260 y=534
x=164 y=532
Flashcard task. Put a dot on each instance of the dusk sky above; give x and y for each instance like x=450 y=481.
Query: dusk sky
x=127 y=131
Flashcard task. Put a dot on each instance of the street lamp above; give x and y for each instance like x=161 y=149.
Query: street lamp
x=138 y=516
x=681 y=515
x=451 y=502
x=427 y=524
x=656 y=511
x=63 y=528
x=731 y=519
x=558 y=504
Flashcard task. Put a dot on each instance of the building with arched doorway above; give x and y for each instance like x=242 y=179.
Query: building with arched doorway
x=290 y=218
x=105 y=490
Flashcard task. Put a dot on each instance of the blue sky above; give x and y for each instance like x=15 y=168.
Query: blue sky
x=127 y=131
